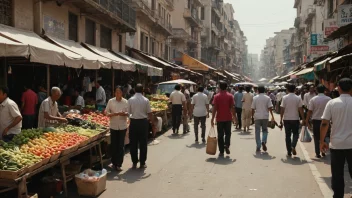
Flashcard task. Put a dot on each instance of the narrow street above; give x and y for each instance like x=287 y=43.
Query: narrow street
x=177 y=167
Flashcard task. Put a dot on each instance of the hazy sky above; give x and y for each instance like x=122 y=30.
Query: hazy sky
x=259 y=19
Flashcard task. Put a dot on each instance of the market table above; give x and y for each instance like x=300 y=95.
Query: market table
x=21 y=182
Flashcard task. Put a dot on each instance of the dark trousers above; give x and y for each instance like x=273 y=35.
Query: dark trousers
x=224 y=129
x=176 y=116
x=291 y=129
x=338 y=159
x=316 y=133
x=138 y=138
x=239 y=116
x=202 y=125
x=28 y=121
x=117 y=138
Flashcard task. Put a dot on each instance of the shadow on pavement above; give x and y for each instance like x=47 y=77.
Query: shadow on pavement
x=130 y=176
x=177 y=136
x=197 y=145
x=221 y=160
x=245 y=133
x=294 y=161
x=264 y=156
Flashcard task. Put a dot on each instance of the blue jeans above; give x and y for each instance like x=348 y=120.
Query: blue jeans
x=262 y=123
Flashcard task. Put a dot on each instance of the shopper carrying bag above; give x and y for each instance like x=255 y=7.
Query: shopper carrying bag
x=212 y=142
x=305 y=135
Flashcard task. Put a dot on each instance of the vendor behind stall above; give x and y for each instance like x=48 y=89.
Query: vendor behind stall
x=79 y=102
x=100 y=96
x=11 y=119
x=49 y=112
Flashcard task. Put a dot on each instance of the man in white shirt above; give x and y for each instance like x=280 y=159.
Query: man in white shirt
x=177 y=99
x=338 y=111
x=261 y=107
x=49 y=113
x=246 y=108
x=117 y=110
x=279 y=96
x=10 y=116
x=79 y=103
x=315 y=111
x=308 y=96
x=139 y=111
x=100 y=96
x=200 y=109
x=290 y=107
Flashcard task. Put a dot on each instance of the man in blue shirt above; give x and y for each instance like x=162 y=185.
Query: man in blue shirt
x=238 y=106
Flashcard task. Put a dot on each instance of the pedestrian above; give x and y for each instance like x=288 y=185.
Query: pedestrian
x=177 y=99
x=200 y=111
x=79 y=102
x=11 y=119
x=238 y=104
x=49 y=114
x=139 y=111
x=29 y=103
x=272 y=98
x=185 y=115
x=117 y=111
x=224 y=112
x=261 y=107
x=246 y=109
x=315 y=111
x=339 y=112
x=308 y=96
x=100 y=96
x=289 y=118
x=279 y=96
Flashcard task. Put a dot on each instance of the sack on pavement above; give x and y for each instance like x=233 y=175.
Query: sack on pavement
x=305 y=135
x=212 y=142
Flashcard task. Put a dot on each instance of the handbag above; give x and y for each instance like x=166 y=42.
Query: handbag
x=212 y=142
x=305 y=135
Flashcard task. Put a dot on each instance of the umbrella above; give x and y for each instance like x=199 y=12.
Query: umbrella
x=263 y=79
x=179 y=81
x=246 y=83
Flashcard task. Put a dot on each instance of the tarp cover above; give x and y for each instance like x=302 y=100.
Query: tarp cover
x=194 y=64
x=9 y=48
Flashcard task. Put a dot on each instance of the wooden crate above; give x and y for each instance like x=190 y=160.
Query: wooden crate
x=55 y=157
x=35 y=166
x=12 y=174
x=46 y=160
x=69 y=150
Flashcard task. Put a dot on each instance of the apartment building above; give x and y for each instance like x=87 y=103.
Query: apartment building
x=153 y=27
x=186 y=28
x=282 y=41
x=102 y=24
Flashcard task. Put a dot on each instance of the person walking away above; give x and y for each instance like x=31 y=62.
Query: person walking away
x=339 y=112
x=100 y=96
x=117 y=111
x=261 y=107
x=49 y=113
x=290 y=107
x=186 y=116
x=29 y=103
x=315 y=111
x=272 y=98
x=279 y=96
x=177 y=99
x=140 y=111
x=224 y=112
x=11 y=119
x=238 y=104
x=307 y=97
x=246 y=109
x=200 y=111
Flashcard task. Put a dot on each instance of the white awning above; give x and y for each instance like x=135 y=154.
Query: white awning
x=339 y=57
x=40 y=51
x=90 y=60
x=9 y=48
x=305 y=71
x=321 y=65
x=118 y=63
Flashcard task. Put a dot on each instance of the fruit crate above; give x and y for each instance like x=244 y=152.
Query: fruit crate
x=35 y=166
x=55 y=157
x=83 y=143
x=4 y=174
x=69 y=150
x=46 y=160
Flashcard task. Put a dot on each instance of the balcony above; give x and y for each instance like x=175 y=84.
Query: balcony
x=192 y=17
x=311 y=12
x=143 y=10
x=116 y=12
x=164 y=26
x=170 y=4
x=216 y=7
x=214 y=46
x=297 y=22
x=297 y=2
x=180 y=34
x=214 y=29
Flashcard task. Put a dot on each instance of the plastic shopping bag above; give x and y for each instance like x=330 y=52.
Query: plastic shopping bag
x=305 y=135
x=212 y=142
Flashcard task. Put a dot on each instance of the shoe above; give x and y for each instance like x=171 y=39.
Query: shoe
x=144 y=166
x=203 y=140
x=289 y=154
x=197 y=140
x=264 y=146
x=227 y=150
x=134 y=166
x=294 y=152
x=221 y=155
x=173 y=131
x=323 y=154
x=257 y=150
x=117 y=168
x=318 y=156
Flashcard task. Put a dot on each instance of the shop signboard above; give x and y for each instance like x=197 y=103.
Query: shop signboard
x=344 y=15
x=319 y=49
x=314 y=39
x=330 y=26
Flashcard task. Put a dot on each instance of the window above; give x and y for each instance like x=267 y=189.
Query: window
x=141 y=47
x=6 y=12
x=90 y=32
x=330 y=8
x=105 y=37
x=202 y=13
x=72 y=27
x=146 y=44
x=120 y=43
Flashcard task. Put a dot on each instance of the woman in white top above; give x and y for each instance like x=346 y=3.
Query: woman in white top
x=246 y=108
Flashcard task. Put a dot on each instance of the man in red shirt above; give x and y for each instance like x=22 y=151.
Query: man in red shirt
x=224 y=111
x=29 y=103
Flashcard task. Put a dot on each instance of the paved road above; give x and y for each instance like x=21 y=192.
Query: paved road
x=177 y=167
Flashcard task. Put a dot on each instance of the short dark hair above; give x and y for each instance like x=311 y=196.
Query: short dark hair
x=240 y=88
x=261 y=89
x=291 y=88
x=178 y=87
x=200 y=89
x=4 y=90
x=248 y=88
x=139 y=88
x=321 y=88
x=345 y=84
x=222 y=85
x=119 y=87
